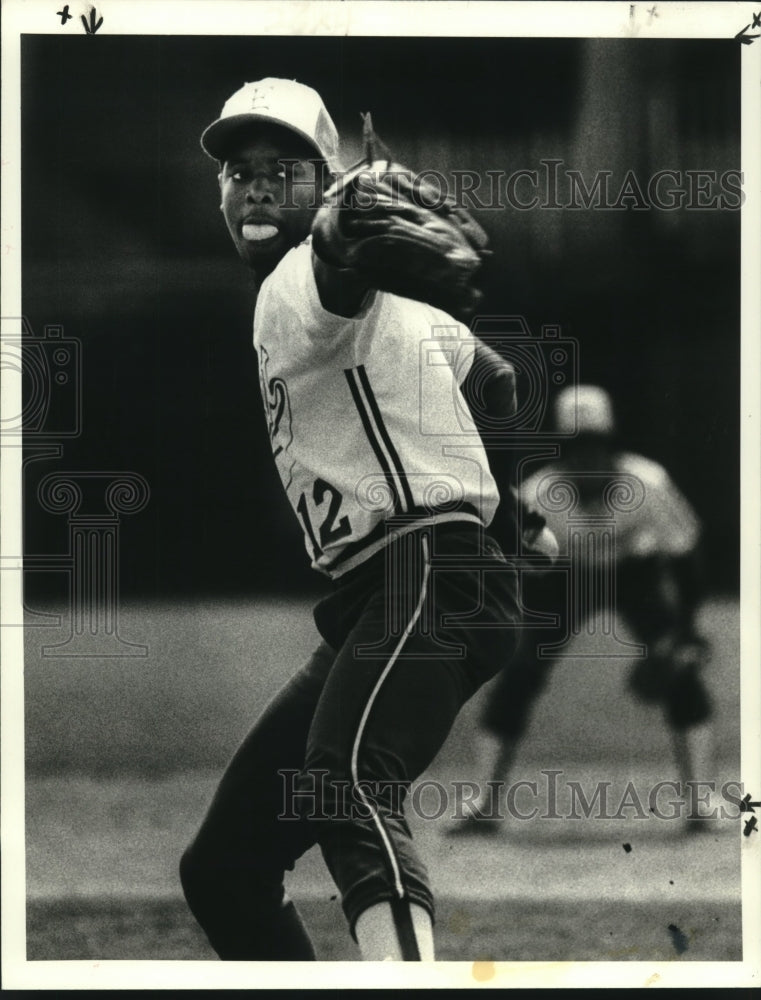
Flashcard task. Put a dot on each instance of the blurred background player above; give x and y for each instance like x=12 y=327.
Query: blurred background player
x=658 y=590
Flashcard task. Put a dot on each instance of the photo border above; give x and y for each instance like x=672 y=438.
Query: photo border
x=393 y=18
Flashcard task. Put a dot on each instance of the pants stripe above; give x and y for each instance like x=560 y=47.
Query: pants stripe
x=382 y=832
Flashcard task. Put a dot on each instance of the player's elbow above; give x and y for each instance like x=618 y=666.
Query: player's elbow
x=489 y=387
x=341 y=292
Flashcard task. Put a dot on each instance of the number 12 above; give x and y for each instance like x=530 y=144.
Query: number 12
x=329 y=530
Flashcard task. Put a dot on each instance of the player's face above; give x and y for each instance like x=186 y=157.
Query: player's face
x=269 y=205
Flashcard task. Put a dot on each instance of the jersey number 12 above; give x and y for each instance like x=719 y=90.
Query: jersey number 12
x=329 y=531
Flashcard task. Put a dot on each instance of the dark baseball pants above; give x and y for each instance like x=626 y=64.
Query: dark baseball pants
x=409 y=638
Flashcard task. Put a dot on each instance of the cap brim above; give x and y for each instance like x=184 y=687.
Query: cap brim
x=216 y=138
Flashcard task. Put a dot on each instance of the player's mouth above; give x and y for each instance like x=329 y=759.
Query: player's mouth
x=259 y=232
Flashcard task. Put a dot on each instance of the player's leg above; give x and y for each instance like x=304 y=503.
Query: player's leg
x=689 y=715
x=232 y=873
x=386 y=710
x=653 y=601
x=512 y=695
x=377 y=933
x=688 y=705
x=372 y=742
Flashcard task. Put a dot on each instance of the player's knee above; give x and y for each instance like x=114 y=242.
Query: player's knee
x=689 y=704
x=649 y=679
x=203 y=879
x=215 y=885
x=505 y=725
x=193 y=878
x=676 y=681
x=510 y=701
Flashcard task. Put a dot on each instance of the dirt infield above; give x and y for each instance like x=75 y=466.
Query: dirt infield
x=102 y=877
x=467 y=931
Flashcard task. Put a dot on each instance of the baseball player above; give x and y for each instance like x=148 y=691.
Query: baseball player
x=657 y=590
x=365 y=376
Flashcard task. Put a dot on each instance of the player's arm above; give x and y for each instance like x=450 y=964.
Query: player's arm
x=671 y=535
x=341 y=291
x=684 y=567
x=489 y=388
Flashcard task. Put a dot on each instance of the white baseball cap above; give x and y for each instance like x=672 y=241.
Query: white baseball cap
x=585 y=409
x=282 y=102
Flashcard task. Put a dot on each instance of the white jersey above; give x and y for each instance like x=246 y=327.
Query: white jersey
x=366 y=418
x=650 y=515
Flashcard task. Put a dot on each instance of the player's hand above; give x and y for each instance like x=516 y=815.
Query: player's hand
x=536 y=539
x=541 y=542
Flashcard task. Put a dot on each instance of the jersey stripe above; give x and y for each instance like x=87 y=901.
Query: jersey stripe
x=383 y=833
x=372 y=431
x=396 y=462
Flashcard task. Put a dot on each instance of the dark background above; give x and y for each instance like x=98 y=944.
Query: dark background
x=124 y=246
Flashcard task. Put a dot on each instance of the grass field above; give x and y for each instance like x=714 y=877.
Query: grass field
x=123 y=755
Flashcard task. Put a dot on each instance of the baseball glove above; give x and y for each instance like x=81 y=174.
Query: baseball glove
x=399 y=233
x=536 y=538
